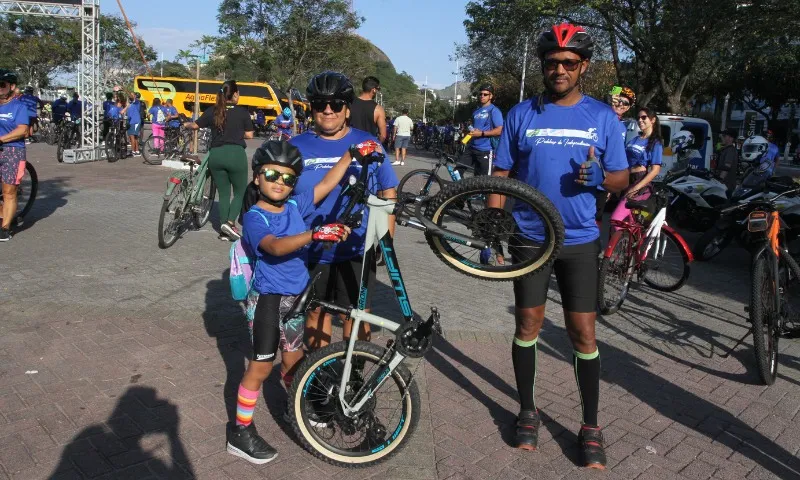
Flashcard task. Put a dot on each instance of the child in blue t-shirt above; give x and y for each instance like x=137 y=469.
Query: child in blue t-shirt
x=274 y=230
x=158 y=119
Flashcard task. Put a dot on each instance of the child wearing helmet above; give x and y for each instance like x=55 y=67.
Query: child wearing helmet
x=275 y=232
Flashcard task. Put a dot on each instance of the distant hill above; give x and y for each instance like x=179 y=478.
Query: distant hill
x=447 y=92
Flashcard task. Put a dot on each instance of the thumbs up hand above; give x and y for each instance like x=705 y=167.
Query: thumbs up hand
x=591 y=173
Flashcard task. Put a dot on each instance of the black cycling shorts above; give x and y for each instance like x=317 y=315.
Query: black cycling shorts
x=267 y=331
x=576 y=271
x=480 y=161
x=340 y=282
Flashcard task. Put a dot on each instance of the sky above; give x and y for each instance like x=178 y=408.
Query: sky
x=419 y=36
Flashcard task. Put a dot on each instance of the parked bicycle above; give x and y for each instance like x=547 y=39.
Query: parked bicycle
x=26 y=194
x=371 y=403
x=187 y=201
x=423 y=183
x=70 y=137
x=646 y=247
x=116 y=141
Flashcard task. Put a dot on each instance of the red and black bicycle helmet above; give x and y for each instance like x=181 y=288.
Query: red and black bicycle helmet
x=566 y=37
x=330 y=85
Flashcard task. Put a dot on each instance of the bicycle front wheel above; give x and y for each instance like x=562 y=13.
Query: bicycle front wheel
x=615 y=274
x=112 y=151
x=666 y=267
x=764 y=319
x=203 y=211
x=419 y=185
x=379 y=430
x=170 y=222
x=495 y=226
x=154 y=151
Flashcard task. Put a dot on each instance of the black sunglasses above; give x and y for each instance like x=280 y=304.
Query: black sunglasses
x=289 y=179
x=643 y=117
x=569 y=65
x=623 y=103
x=336 y=105
x=484 y=94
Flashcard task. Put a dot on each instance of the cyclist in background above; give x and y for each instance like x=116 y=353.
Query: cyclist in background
x=134 y=114
x=487 y=124
x=543 y=141
x=230 y=125
x=158 y=119
x=284 y=124
x=59 y=108
x=107 y=120
x=75 y=107
x=33 y=103
x=14 y=117
x=261 y=120
x=173 y=117
x=621 y=100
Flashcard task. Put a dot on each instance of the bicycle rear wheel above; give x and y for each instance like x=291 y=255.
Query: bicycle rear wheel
x=667 y=264
x=496 y=226
x=153 y=154
x=615 y=278
x=171 y=220
x=203 y=212
x=379 y=430
x=112 y=151
x=26 y=194
x=764 y=319
x=419 y=185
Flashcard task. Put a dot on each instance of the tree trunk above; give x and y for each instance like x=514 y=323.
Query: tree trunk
x=612 y=38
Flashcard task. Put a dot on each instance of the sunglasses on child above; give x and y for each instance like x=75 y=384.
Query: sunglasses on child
x=336 y=105
x=622 y=103
x=288 y=179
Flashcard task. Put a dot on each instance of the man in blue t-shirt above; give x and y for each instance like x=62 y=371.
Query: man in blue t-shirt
x=134 y=115
x=564 y=144
x=107 y=104
x=330 y=94
x=773 y=154
x=487 y=124
x=59 y=109
x=173 y=118
x=33 y=103
x=75 y=107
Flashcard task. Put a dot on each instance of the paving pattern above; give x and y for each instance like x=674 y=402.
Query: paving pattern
x=115 y=357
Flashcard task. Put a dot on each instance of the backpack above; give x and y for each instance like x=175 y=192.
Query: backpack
x=243 y=267
x=494 y=141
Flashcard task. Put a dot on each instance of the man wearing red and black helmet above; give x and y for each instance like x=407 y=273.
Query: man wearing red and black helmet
x=566 y=145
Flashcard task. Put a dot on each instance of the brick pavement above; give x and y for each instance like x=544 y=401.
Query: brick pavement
x=114 y=356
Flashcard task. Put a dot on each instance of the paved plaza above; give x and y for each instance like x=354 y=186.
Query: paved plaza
x=115 y=356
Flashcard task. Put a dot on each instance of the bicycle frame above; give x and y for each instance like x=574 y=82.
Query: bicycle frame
x=651 y=237
x=195 y=177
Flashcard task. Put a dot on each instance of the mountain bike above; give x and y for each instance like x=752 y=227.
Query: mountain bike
x=70 y=137
x=187 y=201
x=26 y=194
x=116 y=141
x=53 y=132
x=355 y=403
x=645 y=246
x=775 y=287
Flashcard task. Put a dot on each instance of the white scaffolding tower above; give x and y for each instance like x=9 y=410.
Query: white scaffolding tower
x=88 y=11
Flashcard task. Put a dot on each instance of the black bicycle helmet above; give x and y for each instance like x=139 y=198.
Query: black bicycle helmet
x=8 y=76
x=487 y=87
x=28 y=90
x=330 y=85
x=566 y=37
x=278 y=152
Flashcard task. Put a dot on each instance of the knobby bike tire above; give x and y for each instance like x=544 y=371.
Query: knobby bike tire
x=714 y=236
x=312 y=366
x=432 y=190
x=453 y=197
x=112 y=147
x=166 y=239
x=31 y=195
x=151 y=154
x=668 y=287
x=201 y=216
x=615 y=265
x=763 y=320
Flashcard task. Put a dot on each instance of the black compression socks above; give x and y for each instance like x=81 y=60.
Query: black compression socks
x=523 y=355
x=587 y=374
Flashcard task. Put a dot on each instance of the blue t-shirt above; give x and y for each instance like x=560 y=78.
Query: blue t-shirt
x=75 y=109
x=174 y=123
x=113 y=112
x=59 y=108
x=32 y=102
x=319 y=156
x=769 y=159
x=261 y=119
x=485 y=118
x=158 y=115
x=639 y=156
x=12 y=115
x=287 y=274
x=545 y=150
x=134 y=116
x=107 y=106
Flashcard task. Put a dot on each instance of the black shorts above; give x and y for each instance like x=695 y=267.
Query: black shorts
x=267 y=331
x=600 y=199
x=340 y=282
x=576 y=271
x=480 y=161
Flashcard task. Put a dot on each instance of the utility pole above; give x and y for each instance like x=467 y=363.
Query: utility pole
x=424 y=98
x=455 y=91
x=162 y=64
x=725 y=112
x=524 y=65
x=197 y=102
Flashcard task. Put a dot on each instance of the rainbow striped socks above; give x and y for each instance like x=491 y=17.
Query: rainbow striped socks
x=245 y=405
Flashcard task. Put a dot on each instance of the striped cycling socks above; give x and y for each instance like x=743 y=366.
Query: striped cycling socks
x=245 y=405
x=523 y=356
x=587 y=374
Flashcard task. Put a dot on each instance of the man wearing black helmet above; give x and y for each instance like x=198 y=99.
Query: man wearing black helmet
x=487 y=125
x=566 y=145
x=13 y=129
x=330 y=95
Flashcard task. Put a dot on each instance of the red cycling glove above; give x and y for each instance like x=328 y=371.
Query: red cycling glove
x=332 y=232
x=365 y=149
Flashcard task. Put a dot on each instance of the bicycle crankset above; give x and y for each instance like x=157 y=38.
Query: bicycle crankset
x=415 y=338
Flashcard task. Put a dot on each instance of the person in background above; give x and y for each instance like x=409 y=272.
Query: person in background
x=75 y=107
x=773 y=155
x=33 y=103
x=365 y=113
x=402 y=137
x=158 y=118
x=14 y=117
x=107 y=104
x=59 y=109
x=487 y=124
x=134 y=115
x=173 y=117
x=728 y=160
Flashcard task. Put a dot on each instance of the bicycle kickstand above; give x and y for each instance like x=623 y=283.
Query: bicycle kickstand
x=736 y=345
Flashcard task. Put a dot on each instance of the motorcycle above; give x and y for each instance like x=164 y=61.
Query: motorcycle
x=732 y=222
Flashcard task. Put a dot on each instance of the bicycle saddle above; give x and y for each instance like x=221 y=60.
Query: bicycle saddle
x=639 y=204
x=190 y=159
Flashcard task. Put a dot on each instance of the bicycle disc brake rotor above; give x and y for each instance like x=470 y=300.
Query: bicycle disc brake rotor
x=493 y=223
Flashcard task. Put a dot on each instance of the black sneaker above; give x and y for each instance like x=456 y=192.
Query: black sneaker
x=5 y=234
x=593 y=452
x=527 y=435
x=246 y=443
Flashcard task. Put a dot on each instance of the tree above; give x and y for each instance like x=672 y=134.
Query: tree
x=38 y=47
x=120 y=60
